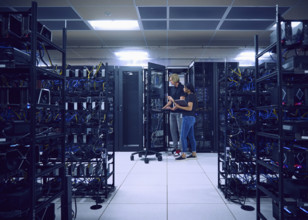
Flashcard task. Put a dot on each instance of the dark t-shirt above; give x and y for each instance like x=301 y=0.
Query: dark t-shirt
x=176 y=93
x=190 y=98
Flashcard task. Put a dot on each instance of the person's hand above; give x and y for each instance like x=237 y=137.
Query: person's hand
x=174 y=108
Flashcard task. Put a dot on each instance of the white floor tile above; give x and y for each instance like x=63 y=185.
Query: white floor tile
x=199 y=212
x=140 y=194
x=135 y=212
x=183 y=166
x=188 y=179
x=146 y=179
x=193 y=194
x=167 y=189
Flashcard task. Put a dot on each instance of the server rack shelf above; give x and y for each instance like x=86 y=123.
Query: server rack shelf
x=90 y=154
x=281 y=143
x=234 y=131
x=33 y=173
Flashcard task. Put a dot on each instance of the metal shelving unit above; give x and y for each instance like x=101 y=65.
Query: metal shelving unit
x=234 y=131
x=281 y=150
x=90 y=148
x=39 y=150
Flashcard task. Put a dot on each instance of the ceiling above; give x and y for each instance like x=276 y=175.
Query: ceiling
x=173 y=32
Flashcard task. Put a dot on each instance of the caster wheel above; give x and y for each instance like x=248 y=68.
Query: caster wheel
x=131 y=157
x=159 y=158
x=146 y=160
x=140 y=154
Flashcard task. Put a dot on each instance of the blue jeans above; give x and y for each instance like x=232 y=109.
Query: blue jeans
x=188 y=132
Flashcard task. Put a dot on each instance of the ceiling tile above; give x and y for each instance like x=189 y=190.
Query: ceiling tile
x=186 y=38
x=240 y=38
x=154 y=25
x=156 y=38
x=263 y=2
x=71 y=25
x=122 y=38
x=193 y=25
x=151 y=3
x=298 y=12
x=107 y=13
x=77 y=25
x=152 y=12
x=54 y=25
x=100 y=3
x=27 y=3
x=196 y=12
x=53 y=12
x=246 y=25
x=89 y=38
x=200 y=2
x=254 y=12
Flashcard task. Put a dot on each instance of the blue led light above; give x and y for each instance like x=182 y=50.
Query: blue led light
x=304 y=210
x=287 y=210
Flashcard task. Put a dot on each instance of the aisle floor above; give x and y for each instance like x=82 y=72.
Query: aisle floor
x=167 y=190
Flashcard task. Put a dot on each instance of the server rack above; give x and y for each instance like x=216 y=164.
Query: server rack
x=201 y=75
x=90 y=153
x=235 y=132
x=281 y=144
x=129 y=108
x=32 y=143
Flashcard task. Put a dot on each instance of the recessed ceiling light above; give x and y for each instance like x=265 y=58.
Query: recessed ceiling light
x=132 y=55
x=111 y=25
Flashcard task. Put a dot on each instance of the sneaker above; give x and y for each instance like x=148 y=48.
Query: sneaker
x=180 y=158
x=191 y=157
x=177 y=152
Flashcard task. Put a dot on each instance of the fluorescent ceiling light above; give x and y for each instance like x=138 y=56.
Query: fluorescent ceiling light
x=112 y=25
x=246 y=55
x=250 y=56
x=294 y=24
x=132 y=55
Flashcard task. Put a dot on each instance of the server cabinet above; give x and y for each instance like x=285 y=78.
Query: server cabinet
x=129 y=108
x=201 y=75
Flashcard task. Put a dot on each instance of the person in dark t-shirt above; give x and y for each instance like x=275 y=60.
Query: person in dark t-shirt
x=188 y=121
x=175 y=117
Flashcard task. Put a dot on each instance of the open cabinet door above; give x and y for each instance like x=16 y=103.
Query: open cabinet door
x=155 y=97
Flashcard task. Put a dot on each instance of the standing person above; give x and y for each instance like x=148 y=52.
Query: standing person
x=188 y=121
x=175 y=118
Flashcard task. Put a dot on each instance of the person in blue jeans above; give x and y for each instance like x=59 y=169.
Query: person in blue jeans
x=188 y=121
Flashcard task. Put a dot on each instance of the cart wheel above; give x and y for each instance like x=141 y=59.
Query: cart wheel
x=146 y=160
x=131 y=157
x=160 y=158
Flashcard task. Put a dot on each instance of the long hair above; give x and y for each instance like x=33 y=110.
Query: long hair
x=190 y=86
